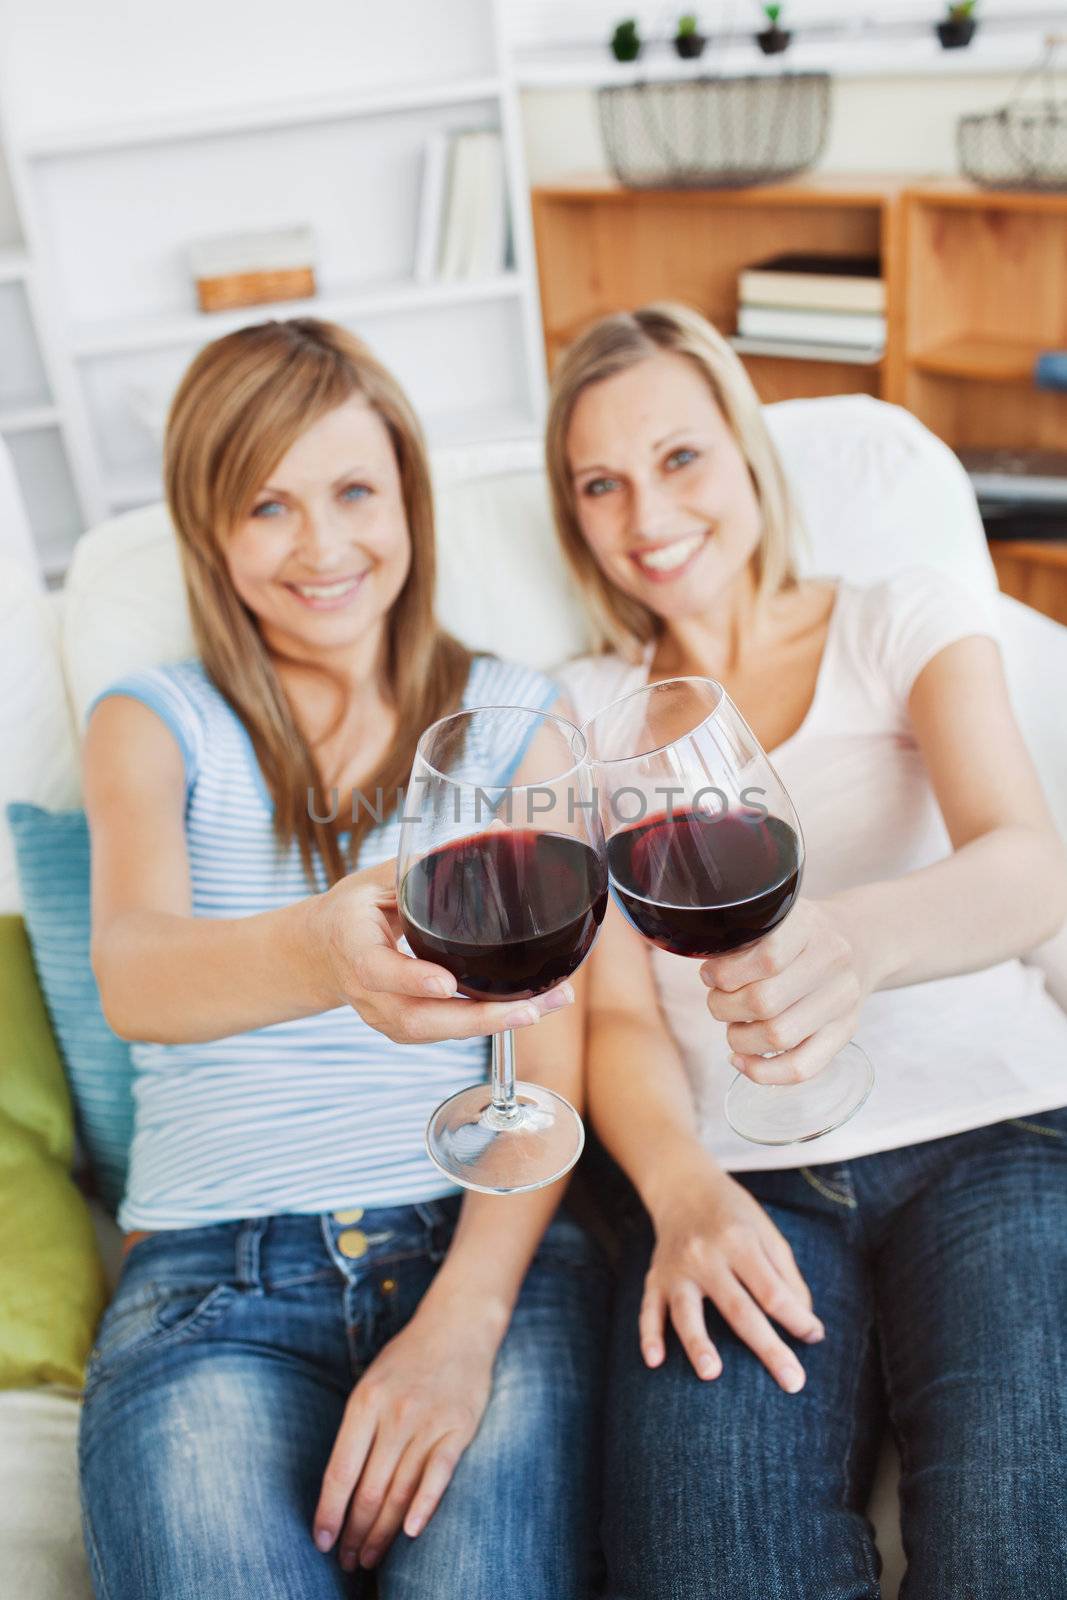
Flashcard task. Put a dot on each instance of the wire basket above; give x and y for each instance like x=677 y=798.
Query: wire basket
x=1023 y=144
x=715 y=133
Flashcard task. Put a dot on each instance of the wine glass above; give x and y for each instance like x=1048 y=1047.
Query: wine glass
x=505 y=884
x=705 y=856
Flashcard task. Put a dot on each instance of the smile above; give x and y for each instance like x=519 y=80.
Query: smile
x=327 y=596
x=667 y=560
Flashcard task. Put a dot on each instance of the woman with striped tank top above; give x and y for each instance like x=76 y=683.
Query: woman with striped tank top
x=317 y=1360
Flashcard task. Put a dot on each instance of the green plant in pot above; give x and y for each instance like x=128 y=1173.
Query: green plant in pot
x=689 y=41
x=959 y=25
x=773 y=39
x=626 y=41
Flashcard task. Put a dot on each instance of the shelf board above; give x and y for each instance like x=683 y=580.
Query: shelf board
x=808 y=350
x=201 y=124
x=196 y=327
x=25 y=419
x=983 y=357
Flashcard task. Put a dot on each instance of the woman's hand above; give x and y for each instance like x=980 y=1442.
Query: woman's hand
x=354 y=930
x=406 y=1425
x=714 y=1241
x=798 y=993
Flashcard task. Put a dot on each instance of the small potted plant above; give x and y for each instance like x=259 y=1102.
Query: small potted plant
x=688 y=41
x=773 y=39
x=626 y=41
x=958 y=27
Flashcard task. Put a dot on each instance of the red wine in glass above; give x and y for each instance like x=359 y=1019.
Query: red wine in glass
x=700 y=883
x=510 y=914
x=710 y=863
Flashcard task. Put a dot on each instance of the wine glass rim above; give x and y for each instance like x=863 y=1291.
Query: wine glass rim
x=543 y=716
x=650 y=689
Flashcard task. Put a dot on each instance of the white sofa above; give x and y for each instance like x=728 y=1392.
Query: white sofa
x=877 y=491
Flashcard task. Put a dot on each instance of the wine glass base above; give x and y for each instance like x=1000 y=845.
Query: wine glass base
x=793 y=1113
x=484 y=1149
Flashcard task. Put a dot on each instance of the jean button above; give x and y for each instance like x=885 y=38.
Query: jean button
x=352 y=1243
x=345 y=1218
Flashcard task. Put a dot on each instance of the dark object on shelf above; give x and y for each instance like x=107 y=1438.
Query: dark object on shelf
x=1019 y=476
x=1023 y=145
x=688 y=42
x=1050 y=371
x=772 y=41
x=954 y=35
x=715 y=133
x=1012 y=519
x=626 y=41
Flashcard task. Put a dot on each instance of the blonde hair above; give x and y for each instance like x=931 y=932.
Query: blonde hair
x=614 y=345
x=243 y=402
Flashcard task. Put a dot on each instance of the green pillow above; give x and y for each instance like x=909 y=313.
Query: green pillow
x=51 y=1280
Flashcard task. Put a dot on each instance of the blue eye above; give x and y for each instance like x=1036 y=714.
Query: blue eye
x=681 y=457
x=599 y=486
x=355 y=491
x=269 y=508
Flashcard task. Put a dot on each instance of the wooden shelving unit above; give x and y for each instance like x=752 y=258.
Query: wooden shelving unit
x=976 y=288
x=603 y=248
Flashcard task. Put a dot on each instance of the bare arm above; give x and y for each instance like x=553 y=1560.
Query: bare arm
x=169 y=976
x=1001 y=892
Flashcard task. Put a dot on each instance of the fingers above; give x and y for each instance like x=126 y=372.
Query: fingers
x=836 y=998
x=742 y=1314
x=767 y=997
x=342 y=1472
x=650 y=1326
x=687 y=1315
x=762 y=960
x=409 y=1021
x=777 y=1298
x=372 y=1544
x=437 y=1475
x=795 y=1066
x=386 y=971
x=784 y=1263
x=371 y=1498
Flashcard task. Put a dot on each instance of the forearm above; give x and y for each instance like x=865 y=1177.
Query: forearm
x=177 y=979
x=996 y=897
x=641 y=1105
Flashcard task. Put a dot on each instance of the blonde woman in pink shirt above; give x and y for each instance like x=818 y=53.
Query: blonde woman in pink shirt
x=777 y=1305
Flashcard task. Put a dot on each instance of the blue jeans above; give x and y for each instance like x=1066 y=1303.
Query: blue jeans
x=217 y=1388
x=940 y=1272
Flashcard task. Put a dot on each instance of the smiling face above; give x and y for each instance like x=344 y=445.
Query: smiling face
x=324 y=550
x=663 y=493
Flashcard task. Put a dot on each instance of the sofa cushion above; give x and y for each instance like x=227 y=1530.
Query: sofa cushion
x=53 y=863
x=51 y=1279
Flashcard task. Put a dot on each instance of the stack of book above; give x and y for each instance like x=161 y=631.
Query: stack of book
x=818 y=307
x=1022 y=494
x=463 y=211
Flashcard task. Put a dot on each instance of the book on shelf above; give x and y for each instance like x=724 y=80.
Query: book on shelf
x=858 y=355
x=815 y=283
x=1031 y=476
x=818 y=326
x=463 y=213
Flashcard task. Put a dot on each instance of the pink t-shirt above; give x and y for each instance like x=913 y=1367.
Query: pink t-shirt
x=949 y=1055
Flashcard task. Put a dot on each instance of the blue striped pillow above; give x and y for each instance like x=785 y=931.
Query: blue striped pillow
x=52 y=852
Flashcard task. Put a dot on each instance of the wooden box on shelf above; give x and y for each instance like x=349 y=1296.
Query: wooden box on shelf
x=253 y=269
x=603 y=248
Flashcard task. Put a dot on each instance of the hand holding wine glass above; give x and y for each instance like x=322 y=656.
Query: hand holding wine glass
x=503 y=884
x=706 y=854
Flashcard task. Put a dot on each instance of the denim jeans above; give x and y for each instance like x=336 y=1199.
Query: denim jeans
x=940 y=1272
x=217 y=1388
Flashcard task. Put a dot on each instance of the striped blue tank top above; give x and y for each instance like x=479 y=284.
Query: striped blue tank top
x=310 y=1115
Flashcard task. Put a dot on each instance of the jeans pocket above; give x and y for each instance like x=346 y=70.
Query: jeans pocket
x=153 y=1317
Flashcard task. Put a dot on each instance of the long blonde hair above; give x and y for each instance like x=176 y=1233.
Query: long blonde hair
x=242 y=403
x=613 y=345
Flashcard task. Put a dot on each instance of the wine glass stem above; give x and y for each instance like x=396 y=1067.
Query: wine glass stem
x=504 y=1074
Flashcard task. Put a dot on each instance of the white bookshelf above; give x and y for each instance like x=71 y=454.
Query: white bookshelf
x=110 y=206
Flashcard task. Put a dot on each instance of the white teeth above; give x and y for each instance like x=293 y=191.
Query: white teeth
x=325 y=591
x=670 y=556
